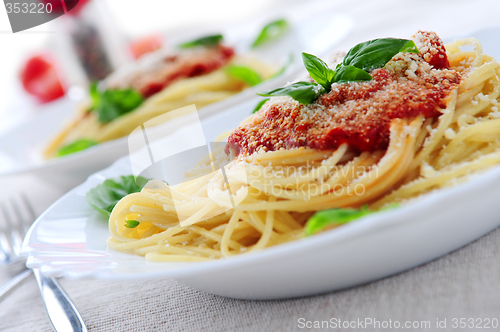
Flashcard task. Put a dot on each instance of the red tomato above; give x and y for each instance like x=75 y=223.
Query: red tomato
x=145 y=45
x=39 y=78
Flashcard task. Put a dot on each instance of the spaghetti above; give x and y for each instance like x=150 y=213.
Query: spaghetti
x=306 y=161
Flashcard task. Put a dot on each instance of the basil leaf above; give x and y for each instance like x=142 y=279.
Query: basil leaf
x=245 y=74
x=208 y=41
x=333 y=217
x=76 y=146
x=104 y=196
x=131 y=223
x=337 y=217
x=113 y=103
x=270 y=32
x=259 y=105
x=376 y=53
x=303 y=92
x=318 y=70
x=346 y=74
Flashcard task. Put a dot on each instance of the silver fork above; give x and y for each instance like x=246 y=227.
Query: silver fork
x=62 y=313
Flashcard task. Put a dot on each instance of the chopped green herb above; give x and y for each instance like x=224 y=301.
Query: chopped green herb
x=76 y=146
x=303 y=92
x=104 y=196
x=208 y=41
x=112 y=103
x=131 y=223
x=270 y=32
x=259 y=105
x=245 y=74
x=336 y=217
x=376 y=53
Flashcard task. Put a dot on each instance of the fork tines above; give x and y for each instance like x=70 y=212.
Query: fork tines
x=16 y=216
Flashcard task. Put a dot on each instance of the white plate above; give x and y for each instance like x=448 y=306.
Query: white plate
x=20 y=149
x=69 y=238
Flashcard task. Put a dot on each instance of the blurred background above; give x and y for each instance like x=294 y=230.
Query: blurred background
x=133 y=28
x=36 y=69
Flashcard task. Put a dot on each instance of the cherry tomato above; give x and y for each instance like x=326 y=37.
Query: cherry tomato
x=145 y=45
x=39 y=78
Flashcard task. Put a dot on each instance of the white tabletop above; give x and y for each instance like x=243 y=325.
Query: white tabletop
x=463 y=284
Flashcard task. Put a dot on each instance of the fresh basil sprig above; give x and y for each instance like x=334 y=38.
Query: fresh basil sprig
x=376 y=53
x=76 y=146
x=336 y=217
x=354 y=68
x=104 y=196
x=270 y=32
x=208 y=41
x=112 y=103
x=307 y=92
x=325 y=76
x=303 y=92
x=245 y=74
x=319 y=70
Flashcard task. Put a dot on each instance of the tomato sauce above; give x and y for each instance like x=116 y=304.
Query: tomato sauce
x=356 y=113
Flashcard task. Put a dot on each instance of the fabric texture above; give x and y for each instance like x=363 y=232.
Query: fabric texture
x=462 y=284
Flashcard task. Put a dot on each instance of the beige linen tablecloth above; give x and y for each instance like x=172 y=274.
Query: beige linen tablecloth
x=463 y=284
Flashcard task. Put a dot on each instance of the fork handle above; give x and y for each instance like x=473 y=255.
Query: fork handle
x=61 y=311
x=8 y=287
